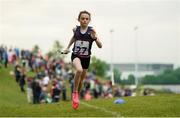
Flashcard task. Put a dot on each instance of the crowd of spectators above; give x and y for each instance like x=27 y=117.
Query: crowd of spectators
x=46 y=79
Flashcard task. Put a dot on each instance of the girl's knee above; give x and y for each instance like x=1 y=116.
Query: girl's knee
x=79 y=70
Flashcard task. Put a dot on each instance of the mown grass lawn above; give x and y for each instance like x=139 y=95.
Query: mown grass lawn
x=14 y=103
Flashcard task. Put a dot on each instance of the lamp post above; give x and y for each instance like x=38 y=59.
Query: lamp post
x=136 y=55
x=111 y=55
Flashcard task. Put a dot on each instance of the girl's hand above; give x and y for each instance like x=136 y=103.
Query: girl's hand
x=66 y=51
x=93 y=34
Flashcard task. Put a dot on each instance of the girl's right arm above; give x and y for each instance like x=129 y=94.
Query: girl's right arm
x=70 y=42
x=69 y=45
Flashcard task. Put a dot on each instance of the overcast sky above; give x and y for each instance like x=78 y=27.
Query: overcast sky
x=25 y=23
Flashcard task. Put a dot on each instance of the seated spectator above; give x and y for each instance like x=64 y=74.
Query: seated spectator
x=55 y=92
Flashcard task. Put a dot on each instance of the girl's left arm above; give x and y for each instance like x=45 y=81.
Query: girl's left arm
x=96 y=39
x=98 y=43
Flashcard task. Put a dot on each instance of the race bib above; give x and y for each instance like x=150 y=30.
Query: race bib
x=81 y=48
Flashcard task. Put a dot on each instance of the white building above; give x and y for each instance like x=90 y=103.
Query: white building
x=143 y=69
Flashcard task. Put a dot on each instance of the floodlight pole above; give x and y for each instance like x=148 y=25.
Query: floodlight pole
x=136 y=55
x=112 y=66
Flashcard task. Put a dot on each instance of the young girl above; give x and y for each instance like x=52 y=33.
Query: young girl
x=83 y=38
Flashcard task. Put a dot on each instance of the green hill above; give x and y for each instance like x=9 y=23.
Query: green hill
x=14 y=103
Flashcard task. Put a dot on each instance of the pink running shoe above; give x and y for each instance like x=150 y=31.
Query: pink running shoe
x=75 y=100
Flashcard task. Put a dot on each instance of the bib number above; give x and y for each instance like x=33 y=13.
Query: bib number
x=81 y=48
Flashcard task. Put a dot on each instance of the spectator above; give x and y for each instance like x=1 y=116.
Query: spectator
x=29 y=89
x=36 y=91
x=22 y=79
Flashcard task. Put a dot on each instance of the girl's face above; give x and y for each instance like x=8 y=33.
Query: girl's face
x=84 y=20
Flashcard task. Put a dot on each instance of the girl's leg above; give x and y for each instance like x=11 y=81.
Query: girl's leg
x=83 y=76
x=79 y=70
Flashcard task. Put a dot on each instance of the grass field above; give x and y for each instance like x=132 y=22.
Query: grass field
x=14 y=103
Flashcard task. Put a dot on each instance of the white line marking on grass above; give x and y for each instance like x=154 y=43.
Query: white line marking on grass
x=102 y=109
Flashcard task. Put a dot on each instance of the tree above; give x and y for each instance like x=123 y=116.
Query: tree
x=117 y=76
x=169 y=76
x=98 y=66
x=55 y=52
x=129 y=81
x=35 y=50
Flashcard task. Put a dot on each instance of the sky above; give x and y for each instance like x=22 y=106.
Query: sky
x=25 y=23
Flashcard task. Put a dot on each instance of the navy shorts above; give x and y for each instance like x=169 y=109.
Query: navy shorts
x=84 y=61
